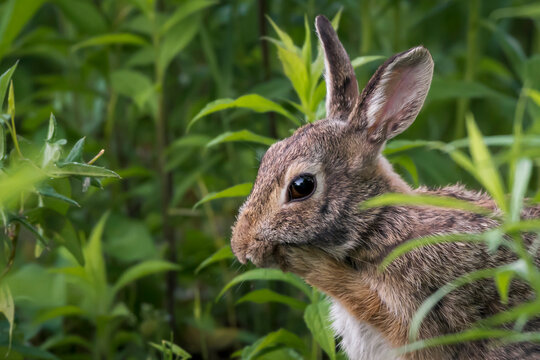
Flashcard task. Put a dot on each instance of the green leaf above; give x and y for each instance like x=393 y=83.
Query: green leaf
x=253 y=102
x=22 y=178
x=434 y=299
x=283 y=36
x=73 y=168
x=306 y=48
x=184 y=10
x=507 y=336
x=242 y=135
x=486 y=170
x=521 y=181
x=69 y=238
x=2 y=143
x=76 y=153
x=408 y=164
x=295 y=70
x=68 y=310
x=239 y=190
x=47 y=190
x=510 y=46
x=266 y=295
x=280 y=337
x=222 y=254
x=268 y=274
x=534 y=95
x=143 y=269
x=176 y=40
x=317 y=320
x=526 y=11
x=7 y=307
x=51 y=132
x=134 y=85
x=168 y=347
x=502 y=280
x=192 y=140
x=412 y=244
x=16 y=14
x=109 y=39
x=83 y=15
x=403 y=145
x=426 y=200
x=363 y=60
x=444 y=89
x=4 y=82
x=21 y=220
x=51 y=150
x=94 y=268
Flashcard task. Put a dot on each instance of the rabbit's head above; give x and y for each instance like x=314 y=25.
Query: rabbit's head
x=309 y=185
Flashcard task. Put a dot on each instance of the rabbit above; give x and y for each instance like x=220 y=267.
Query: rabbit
x=303 y=216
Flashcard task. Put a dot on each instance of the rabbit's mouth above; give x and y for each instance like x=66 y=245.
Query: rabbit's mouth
x=264 y=254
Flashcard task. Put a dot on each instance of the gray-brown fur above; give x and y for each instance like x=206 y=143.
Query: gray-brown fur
x=336 y=247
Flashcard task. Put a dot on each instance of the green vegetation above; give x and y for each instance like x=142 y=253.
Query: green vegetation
x=184 y=96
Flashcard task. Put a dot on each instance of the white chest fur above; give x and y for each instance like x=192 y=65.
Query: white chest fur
x=359 y=340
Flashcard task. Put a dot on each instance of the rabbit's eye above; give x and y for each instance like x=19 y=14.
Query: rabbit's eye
x=301 y=187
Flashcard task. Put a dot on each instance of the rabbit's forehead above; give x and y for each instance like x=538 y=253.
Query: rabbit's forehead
x=309 y=145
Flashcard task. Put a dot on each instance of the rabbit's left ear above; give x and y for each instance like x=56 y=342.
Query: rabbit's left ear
x=395 y=94
x=341 y=85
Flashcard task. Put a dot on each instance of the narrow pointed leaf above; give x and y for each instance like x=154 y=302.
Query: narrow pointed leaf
x=268 y=274
x=47 y=190
x=317 y=320
x=486 y=170
x=239 y=190
x=253 y=102
x=184 y=11
x=109 y=39
x=363 y=60
x=521 y=181
x=426 y=200
x=7 y=307
x=242 y=135
x=222 y=254
x=4 y=82
x=143 y=269
x=80 y=169
x=262 y=296
x=75 y=155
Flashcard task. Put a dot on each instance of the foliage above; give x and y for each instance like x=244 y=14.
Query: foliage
x=98 y=266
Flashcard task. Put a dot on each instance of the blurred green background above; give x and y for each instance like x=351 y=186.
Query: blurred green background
x=129 y=75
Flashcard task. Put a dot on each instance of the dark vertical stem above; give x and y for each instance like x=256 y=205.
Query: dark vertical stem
x=397 y=26
x=470 y=63
x=166 y=183
x=262 y=9
x=365 y=18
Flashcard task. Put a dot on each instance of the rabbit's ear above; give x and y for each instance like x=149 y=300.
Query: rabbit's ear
x=341 y=84
x=395 y=94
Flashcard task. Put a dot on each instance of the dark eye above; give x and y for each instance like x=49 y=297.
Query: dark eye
x=301 y=187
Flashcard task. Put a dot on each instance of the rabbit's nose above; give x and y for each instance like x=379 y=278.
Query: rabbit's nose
x=241 y=239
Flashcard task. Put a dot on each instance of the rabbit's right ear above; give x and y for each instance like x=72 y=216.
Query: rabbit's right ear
x=395 y=94
x=341 y=85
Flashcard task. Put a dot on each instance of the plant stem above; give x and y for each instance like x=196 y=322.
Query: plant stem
x=470 y=64
x=262 y=9
x=231 y=313
x=13 y=235
x=366 y=27
x=165 y=180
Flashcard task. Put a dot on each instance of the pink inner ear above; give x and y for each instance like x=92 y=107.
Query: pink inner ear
x=398 y=92
x=398 y=97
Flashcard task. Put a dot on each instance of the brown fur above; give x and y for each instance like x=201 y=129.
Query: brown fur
x=337 y=247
